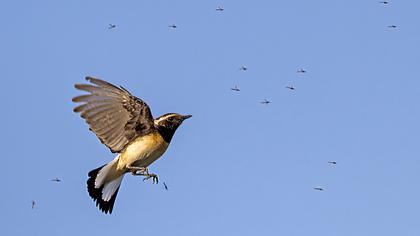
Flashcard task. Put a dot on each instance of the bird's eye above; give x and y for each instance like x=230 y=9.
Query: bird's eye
x=170 y=119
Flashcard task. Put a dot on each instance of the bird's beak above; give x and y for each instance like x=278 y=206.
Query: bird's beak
x=186 y=117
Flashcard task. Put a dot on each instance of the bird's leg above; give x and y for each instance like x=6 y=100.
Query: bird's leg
x=135 y=170
x=143 y=171
x=154 y=177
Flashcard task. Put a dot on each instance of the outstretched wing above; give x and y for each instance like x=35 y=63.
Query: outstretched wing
x=113 y=114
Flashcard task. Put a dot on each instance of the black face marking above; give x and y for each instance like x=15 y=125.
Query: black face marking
x=167 y=125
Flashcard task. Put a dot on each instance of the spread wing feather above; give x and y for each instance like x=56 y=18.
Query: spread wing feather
x=112 y=113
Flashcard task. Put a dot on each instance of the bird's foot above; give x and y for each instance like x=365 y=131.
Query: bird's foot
x=152 y=176
x=143 y=171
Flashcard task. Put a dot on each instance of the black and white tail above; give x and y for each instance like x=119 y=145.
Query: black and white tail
x=103 y=185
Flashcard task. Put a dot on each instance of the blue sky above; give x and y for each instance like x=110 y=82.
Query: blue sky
x=237 y=167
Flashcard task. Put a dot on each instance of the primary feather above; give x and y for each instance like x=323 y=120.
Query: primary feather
x=113 y=114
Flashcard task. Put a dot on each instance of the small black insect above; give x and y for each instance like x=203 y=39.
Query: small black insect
x=56 y=180
x=220 y=8
x=244 y=68
x=236 y=88
x=290 y=87
x=265 y=102
x=301 y=71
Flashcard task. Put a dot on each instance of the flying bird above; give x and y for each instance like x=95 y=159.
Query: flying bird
x=111 y=26
x=166 y=186
x=244 y=68
x=220 y=8
x=56 y=180
x=265 y=102
x=384 y=2
x=236 y=88
x=392 y=26
x=319 y=189
x=301 y=71
x=124 y=123
x=173 y=26
x=33 y=204
x=333 y=162
x=290 y=87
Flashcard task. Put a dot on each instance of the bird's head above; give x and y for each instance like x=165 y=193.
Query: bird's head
x=171 y=121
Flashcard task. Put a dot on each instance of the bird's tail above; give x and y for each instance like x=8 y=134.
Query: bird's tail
x=103 y=185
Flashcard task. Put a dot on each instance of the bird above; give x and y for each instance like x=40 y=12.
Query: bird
x=333 y=162
x=173 y=26
x=220 y=8
x=56 y=180
x=392 y=26
x=290 y=87
x=33 y=204
x=236 y=88
x=265 y=102
x=384 y=2
x=166 y=186
x=318 y=188
x=124 y=123
x=301 y=71
x=244 y=68
x=111 y=26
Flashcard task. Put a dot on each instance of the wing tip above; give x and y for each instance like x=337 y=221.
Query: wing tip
x=81 y=98
x=99 y=82
x=79 y=86
x=89 y=78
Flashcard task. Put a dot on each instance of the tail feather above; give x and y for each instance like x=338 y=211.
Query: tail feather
x=103 y=191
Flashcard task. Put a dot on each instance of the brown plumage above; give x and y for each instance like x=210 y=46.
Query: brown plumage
x=124 y=123
x=113 y=114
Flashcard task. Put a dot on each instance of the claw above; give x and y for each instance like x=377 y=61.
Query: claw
x=143 y=171
x=155 y=179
